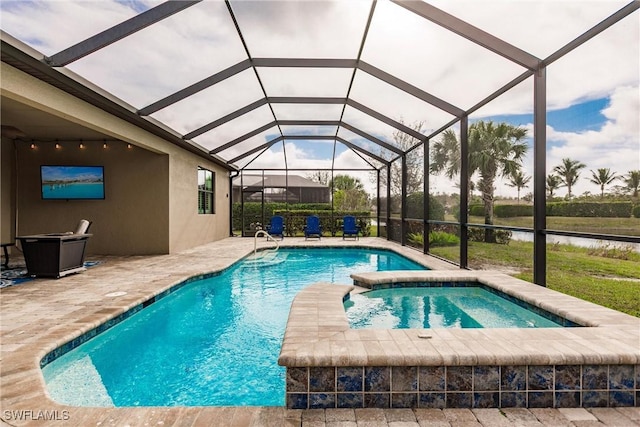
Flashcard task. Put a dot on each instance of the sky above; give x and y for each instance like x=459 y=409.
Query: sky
x=593 y=96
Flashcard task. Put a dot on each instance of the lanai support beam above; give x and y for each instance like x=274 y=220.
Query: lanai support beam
x=309 y=122
x=388 y=216
x=372 y=138
x=243 y=137
x=403 y=199
x=362 y=150
x=304 y=62
x=305 y=100
x=195 y=88
x=410 y=89
x=255 y=150
x=464 y=191
x=425 y=192
x=222 y=120
x=384 y=119
x=471 y=33
x=350 y=102
x=118 y=32
x=378 y=204
x=312 y=138
x=539 y=177
x=594 y=31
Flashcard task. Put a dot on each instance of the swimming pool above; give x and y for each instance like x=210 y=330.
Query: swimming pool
x=439 y=307
x=214 y=342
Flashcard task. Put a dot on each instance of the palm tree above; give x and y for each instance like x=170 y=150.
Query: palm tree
x=568 y=172
x=553 y=183
x=632 y=181
x=494 y=149
x=348 y=193
x=445 y=154
x=519 y=181
x=602 y=178
x=346 y=182
x=445 y=157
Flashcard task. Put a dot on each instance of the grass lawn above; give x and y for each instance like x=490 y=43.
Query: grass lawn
x=610 y=282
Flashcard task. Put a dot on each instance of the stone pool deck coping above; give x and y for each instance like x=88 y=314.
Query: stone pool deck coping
x=40 y=315
x=318 y=332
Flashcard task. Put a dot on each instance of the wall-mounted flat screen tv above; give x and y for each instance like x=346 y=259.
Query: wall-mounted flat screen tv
x=72 y=182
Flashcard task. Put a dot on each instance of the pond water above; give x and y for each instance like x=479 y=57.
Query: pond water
x=575 y=241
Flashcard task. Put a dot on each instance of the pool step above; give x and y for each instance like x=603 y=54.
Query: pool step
x=264 y=259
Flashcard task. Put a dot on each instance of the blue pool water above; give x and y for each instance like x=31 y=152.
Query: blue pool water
x=214 y=342
x=439 y=307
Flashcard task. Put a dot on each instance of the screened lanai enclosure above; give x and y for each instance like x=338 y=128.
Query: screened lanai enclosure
x=480 y=121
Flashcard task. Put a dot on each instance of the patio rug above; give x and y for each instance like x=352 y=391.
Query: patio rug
x=17 y=275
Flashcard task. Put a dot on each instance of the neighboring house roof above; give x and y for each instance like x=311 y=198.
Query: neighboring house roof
x=276 y=181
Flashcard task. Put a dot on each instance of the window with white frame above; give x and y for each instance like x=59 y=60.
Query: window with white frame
x=206 y=193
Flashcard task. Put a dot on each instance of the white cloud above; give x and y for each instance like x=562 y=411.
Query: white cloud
x=51 y=26
x=615 y=146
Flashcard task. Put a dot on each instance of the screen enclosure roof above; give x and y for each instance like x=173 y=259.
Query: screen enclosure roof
x=309 y=84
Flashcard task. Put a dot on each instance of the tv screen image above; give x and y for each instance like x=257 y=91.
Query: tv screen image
x=72 y=182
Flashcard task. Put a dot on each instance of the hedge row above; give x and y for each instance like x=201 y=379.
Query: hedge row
x=590 y=209
x=502 y=211
x=567 y=209
x=295 y=220
x=253 y=210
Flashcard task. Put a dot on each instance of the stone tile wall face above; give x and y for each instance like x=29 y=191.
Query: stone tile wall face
x=532 y=386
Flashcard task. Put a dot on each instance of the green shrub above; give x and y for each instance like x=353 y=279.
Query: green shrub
x=503 y=211
x=566 y=209
x=417 y=239
x=477 y=234
x=436 y=238
x=253 y=210
x=415 y=207
x=308 y=206
x=295 y=220
x=440 y=238
x=475 y=210
x=510 y=211
x=590 y=209
x=447 y=228
x=636 y=211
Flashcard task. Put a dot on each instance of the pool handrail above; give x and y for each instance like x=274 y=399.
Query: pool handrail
x=269 y=237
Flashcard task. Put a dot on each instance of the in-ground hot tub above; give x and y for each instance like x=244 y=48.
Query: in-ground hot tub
x=428 y=305
x=330 y=365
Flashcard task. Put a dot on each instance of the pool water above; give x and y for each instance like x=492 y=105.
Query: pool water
x=439 y=307
x=215 y=342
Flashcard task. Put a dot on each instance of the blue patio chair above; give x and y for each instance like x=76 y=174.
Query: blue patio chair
x=276 y=227
x=313 y=227
x=350 y=227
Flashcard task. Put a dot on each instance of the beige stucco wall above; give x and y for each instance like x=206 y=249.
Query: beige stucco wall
x=132 y=219
x=7 y=191
x=151 y=189
x=188 y=228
